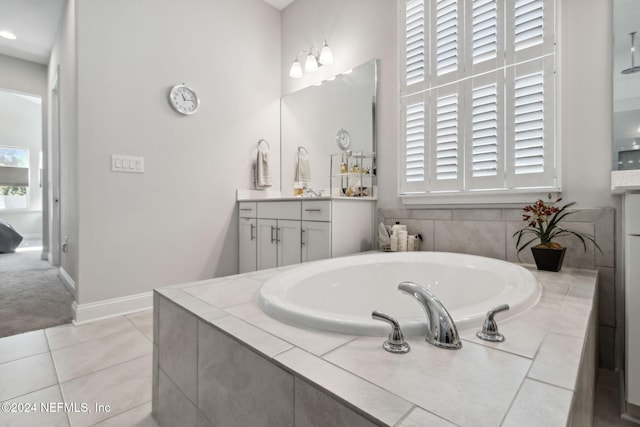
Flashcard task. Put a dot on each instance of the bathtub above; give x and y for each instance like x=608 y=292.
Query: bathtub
x=338 y=295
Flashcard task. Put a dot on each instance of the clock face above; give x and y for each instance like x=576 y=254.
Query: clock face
x=343 y=139
x=183 y=99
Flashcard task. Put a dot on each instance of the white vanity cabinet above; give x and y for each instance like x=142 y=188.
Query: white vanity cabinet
x=248 y=237
x=276 y=233
x=316 y=230
x=632 y=295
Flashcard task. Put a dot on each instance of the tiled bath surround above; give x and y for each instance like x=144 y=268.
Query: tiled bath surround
x=222 y=361
x=489 y=232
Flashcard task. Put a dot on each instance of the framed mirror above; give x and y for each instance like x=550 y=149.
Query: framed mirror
x=626 y=85
x=317 y=118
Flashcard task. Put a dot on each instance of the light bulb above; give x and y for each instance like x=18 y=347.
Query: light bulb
x=311 y=64
x=295 y=71
x=326 y=56
x=7 y=35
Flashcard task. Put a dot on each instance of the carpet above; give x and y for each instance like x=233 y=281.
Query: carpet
x=32 y=296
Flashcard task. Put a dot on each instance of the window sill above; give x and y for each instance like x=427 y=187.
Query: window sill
x=475 y=199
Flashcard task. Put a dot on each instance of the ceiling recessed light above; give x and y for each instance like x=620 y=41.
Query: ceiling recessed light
x=7 y=35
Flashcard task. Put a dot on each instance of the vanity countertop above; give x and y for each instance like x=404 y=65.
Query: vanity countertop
x=274 y=195
x=622 y=181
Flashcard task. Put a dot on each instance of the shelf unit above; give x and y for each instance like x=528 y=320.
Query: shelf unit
x=353 y=174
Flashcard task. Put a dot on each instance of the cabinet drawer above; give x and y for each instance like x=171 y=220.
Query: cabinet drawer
x=279 y=210
x=317 y=210
x=247 y=210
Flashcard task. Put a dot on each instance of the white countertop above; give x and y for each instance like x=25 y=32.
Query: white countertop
x=529 y=379
x=274 y=195
x=622 y=181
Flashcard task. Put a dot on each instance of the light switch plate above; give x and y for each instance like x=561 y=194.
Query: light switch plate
x=129 y=164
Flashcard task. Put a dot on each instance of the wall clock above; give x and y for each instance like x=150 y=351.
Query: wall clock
x=183 y=99
x=343 y=139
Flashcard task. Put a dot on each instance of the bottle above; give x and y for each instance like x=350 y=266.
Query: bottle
x=298 y=190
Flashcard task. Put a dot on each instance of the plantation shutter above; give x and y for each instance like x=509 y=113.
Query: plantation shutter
x=485 y=131
x=414 y=43
x=531 y=147
x=447 y=139
x=413 y=154
x=477 y=96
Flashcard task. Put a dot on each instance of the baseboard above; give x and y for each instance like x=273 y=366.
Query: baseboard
x=67 y=280
x=84 y=313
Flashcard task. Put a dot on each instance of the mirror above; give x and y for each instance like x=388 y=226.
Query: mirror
x=626 y=85
x=314 y=117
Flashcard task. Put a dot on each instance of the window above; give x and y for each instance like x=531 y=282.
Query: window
x=477 y=97
x=14 y=177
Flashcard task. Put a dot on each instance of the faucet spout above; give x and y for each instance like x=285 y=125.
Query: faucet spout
x=442 y=331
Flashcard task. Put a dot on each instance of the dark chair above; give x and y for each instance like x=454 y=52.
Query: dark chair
x=9 y=238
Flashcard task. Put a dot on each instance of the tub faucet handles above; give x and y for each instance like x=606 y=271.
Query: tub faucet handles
x=441 y=330
x=489 y=330
x=396 y=342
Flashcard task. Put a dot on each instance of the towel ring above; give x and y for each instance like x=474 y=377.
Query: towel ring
x=260 y=141
x=301 y=149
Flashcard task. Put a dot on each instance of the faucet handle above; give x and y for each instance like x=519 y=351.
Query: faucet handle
x=396 y=342
x=489 y=330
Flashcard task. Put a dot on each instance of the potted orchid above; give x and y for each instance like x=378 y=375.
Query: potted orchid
x=544 y=224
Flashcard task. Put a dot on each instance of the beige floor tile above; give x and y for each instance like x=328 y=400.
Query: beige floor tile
x=66 y=335
x=90 y=356
x=23 y=345
x=143 y=320
x=140 y=416
x=40 y=408
x=26 y=375
x=109 y=392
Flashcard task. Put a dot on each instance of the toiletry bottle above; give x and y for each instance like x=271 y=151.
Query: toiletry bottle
x=297 y=189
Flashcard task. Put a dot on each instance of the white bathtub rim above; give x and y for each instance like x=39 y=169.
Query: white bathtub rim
x=281 y=309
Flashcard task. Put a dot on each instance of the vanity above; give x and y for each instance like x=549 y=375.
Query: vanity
x=280 y=231
x=332 y=125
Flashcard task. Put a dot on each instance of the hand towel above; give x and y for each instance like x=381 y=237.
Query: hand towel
x=303 y=170
x=263 y=175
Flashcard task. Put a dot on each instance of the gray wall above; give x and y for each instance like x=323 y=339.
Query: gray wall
x=130 y=233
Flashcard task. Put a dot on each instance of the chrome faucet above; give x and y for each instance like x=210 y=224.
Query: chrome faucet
x=441 y=330
x=313 y=193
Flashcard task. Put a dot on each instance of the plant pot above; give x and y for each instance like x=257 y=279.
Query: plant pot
x=548 y=259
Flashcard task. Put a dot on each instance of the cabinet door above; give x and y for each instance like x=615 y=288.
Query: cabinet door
x=632 y=301
x=247 y=246
x=316 y=240
x=267 y=245
x=288 y=235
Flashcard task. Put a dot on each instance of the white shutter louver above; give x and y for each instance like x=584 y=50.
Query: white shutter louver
x=528 y=23
x=529 y=124
x=484 y=126
x=484 y=30
x=415 y=42
x=415 y=132
x=446 y=36
x=447 y=137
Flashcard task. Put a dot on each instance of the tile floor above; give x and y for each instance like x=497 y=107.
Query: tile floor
x=99 y=374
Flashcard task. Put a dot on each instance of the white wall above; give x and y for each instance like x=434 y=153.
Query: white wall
x=29 y=78
x=62 y=66
x=176 y=222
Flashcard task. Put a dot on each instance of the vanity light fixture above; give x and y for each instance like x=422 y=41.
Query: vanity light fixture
x=7 y=35
x=314 y=59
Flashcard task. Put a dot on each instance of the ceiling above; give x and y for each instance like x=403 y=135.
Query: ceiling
x=35 y=22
